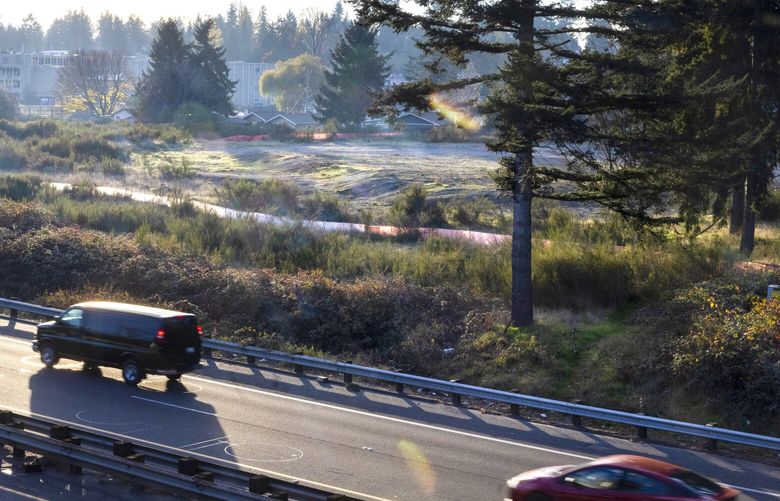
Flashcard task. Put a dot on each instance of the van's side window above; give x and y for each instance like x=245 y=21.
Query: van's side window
x=72 y=317
x=101 y=322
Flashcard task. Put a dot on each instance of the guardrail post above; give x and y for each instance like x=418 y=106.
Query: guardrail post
x=205 y=476
x=6 y=417
x=188 y=466
x=641 y=432
x=712 y=444
x=298 y=369
x=399 y=387
x=17 y=452
x=457 y=399
x=59 y=432
x=514 y=410
x=576 y=421
x=72 y=468
x=348 y=377
x=122 y=449
x=258 y=484
x=250 y=360
x=13 y=313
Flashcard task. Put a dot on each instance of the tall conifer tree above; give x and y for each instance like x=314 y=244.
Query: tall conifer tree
x=358 y=73
x=211 y=84
x=165 y=86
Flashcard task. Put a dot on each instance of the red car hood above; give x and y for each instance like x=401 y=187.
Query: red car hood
x=547 y=472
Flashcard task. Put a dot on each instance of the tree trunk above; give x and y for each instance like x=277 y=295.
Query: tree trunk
x=737 y=207
x=749 y=220
x=522 y=293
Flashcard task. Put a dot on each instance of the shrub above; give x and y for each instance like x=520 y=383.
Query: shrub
x=170 y=169
x=19 y=131
x=195 y=118
x=20 y=187
x=267 y=195
x=731 y=355
x=326 y=207
x=20 y=218
x=413 y=209
x=9 y=107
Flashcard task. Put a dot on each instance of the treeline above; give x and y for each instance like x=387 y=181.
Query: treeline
x=245 y=36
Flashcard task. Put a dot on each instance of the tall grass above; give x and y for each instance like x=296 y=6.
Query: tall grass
x=566 y=274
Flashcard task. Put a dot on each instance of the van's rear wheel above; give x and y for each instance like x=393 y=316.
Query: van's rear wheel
x=49 y=356
x=173 y=377
x=132 y=373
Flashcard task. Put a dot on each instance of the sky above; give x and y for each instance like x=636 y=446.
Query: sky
x=46 y=11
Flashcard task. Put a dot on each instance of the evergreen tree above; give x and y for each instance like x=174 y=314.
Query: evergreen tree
x=543 y=93
x=357 y=74
x=31 y=34
x=111 y=35
x=211 y=84
x=72 y=32
x=718 y=67
x=166 y=85
x=137 y=37
x=285 y=42
x=263 y=37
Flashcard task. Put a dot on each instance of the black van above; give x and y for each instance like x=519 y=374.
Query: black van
x=138 y=339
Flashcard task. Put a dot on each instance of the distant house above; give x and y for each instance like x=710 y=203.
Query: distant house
x=82 y=116
x=418 y=121
x=409 y=121
x=298 y=121
x=124 y=115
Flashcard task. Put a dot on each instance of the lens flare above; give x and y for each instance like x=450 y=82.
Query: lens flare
x=453 y=114
x=418 y=465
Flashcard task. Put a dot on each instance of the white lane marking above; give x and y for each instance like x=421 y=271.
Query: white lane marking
x=203 y=442
x=379 y=416
x=184 y=452
x=755 y=491
x=206 y=446
x=17 y=341
x=173 y=405
x=20 y=493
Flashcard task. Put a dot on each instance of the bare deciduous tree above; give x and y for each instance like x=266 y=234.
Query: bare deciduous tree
x=94 y=80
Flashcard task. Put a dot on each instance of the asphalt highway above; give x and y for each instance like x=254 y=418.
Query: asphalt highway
x=371 y=444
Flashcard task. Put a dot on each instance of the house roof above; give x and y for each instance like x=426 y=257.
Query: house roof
x=294 y=118
x=419 y=118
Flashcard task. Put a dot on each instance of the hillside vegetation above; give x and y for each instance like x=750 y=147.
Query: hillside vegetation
x=627 y=321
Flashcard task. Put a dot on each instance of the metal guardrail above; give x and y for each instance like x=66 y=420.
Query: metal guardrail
x=458 y=390
x=156 y=467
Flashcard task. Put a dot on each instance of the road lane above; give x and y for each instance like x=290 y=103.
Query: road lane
x=369 y=442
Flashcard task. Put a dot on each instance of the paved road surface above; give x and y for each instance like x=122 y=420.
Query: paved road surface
x=380 y=446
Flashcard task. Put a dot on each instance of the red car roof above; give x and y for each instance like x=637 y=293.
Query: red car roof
x=639 y=463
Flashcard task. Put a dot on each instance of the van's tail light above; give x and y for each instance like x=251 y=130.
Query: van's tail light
x=160 y=337
x=200 y=330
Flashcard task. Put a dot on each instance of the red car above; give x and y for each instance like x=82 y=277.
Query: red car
x=622 y=478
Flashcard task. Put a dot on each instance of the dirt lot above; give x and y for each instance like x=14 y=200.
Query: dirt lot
x=368 y=173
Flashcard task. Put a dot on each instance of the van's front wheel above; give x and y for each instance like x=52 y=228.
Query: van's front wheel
x=49 y=356
x=132 y=372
